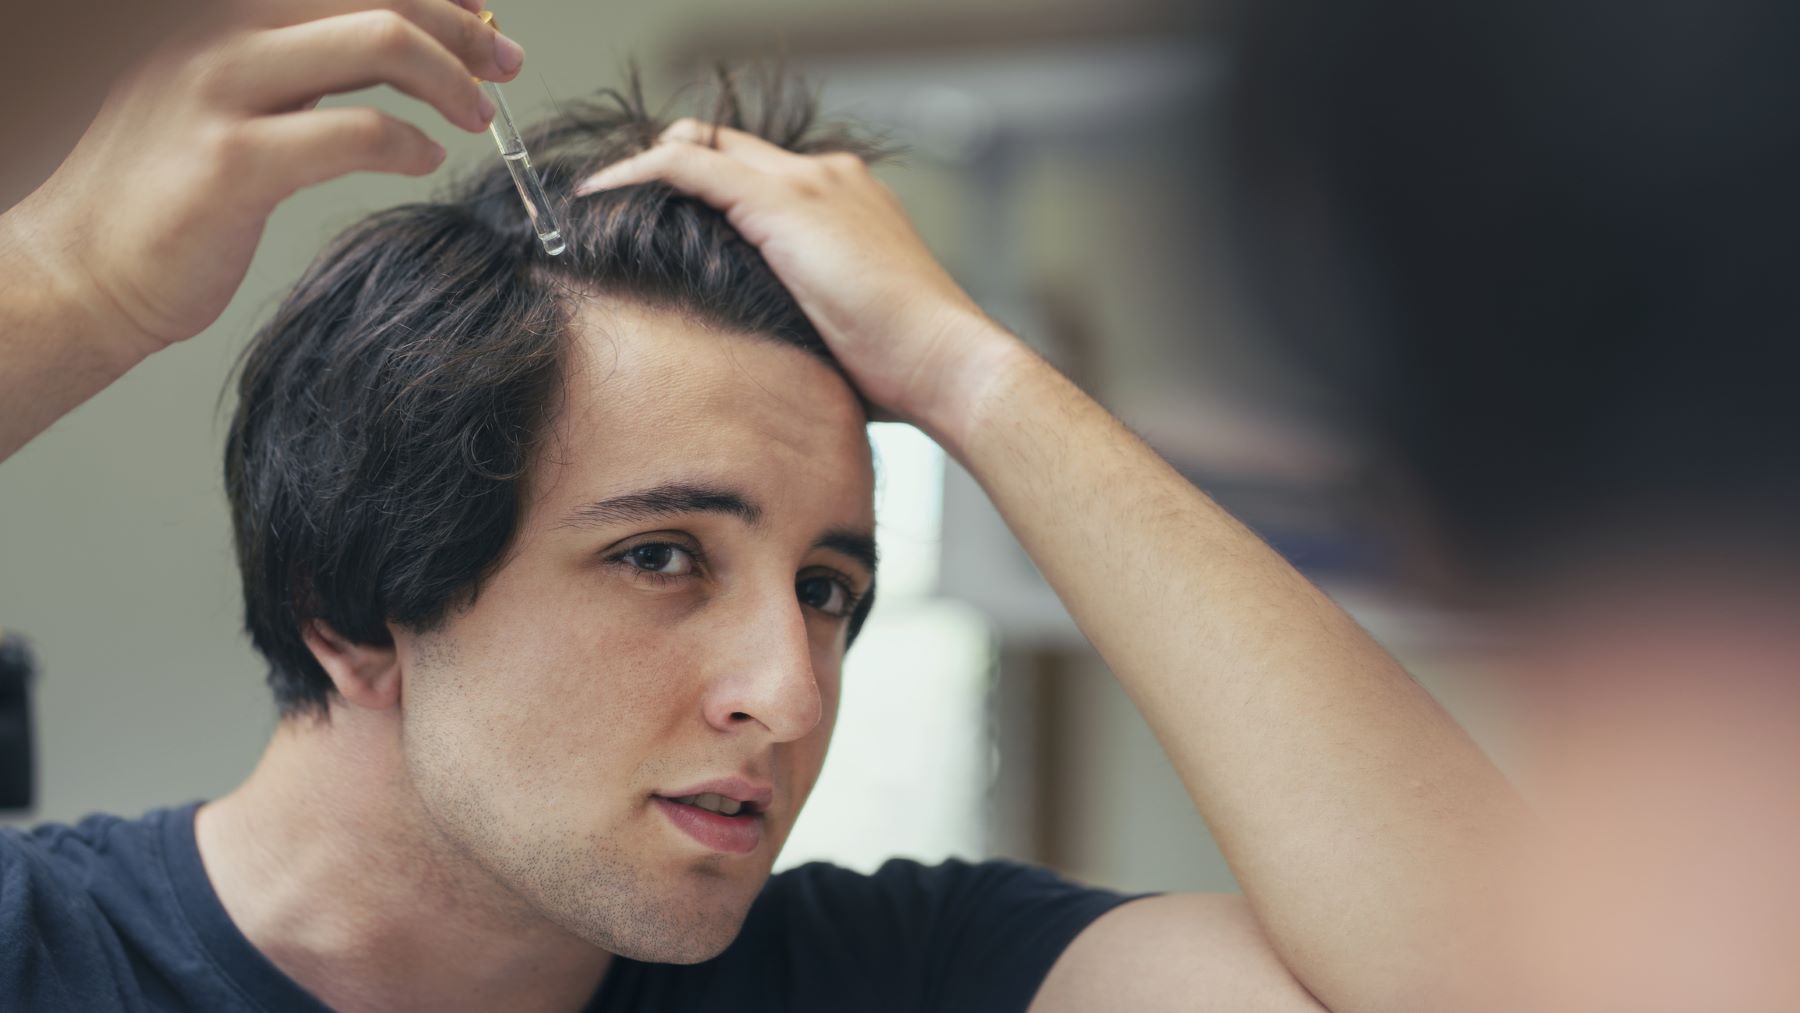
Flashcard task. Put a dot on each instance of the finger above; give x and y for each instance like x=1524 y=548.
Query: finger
x=712 y=176
x=285 y=13
x=448 y=20
x=488 y=53
x=285 y=68
x=745 y=147
x=297 y=150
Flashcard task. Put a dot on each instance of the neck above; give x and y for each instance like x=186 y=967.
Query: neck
x=327 y=862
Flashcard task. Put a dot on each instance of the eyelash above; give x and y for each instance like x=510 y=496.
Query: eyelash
x=852 y=598
x=622 y=558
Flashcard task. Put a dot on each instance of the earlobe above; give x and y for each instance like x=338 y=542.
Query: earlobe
x=366 y=675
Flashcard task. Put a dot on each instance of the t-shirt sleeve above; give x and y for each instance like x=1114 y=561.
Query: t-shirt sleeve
x=952 y=937
x=51 y=957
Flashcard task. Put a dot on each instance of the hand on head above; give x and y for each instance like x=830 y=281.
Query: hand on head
x=915 y=344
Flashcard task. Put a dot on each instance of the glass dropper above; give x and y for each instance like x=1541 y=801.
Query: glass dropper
x=518 y=162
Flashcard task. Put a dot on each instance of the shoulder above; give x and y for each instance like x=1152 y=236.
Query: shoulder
x=51 y=859
x=91 y=859
x=909 y=893
x=957 y=935
x=63 y=892
x=79 y=845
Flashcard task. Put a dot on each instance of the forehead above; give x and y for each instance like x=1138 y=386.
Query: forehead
x=651 y=395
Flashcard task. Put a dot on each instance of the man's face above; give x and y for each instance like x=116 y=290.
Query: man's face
x=670 y=622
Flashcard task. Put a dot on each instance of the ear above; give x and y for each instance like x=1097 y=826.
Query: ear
x=366 y=675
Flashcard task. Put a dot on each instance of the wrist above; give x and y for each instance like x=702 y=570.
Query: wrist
x=41 y=264
x=980 y=361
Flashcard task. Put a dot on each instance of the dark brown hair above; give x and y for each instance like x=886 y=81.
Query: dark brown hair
x=388 y=412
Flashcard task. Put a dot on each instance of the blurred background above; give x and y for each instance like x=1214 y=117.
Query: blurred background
x=1064 y=161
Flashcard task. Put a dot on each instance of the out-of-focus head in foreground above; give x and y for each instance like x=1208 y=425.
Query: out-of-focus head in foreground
x=1546 y=252
x=77 y=48
x=584 y=537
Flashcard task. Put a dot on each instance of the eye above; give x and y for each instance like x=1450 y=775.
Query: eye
x=829 y=595
x=664 y=558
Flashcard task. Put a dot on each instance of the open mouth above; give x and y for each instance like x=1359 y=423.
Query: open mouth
x=718 y=822
x=720 y=804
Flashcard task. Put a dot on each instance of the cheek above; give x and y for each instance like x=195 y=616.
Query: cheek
x=559 y=705
x=609 y=691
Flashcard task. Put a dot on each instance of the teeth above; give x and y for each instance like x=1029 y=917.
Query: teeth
x=713 y=803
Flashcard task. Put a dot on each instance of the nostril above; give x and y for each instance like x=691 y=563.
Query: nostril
x=739 y=716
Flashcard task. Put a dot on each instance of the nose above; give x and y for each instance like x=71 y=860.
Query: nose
x=766 y=679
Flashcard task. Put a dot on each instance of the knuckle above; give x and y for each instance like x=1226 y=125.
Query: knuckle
x=687 y=130
x=818 y=175
x=810 y=185
x=473 y=39
x=391 y=34
x=217 y=76
x=465 y=36
x=230 y=150
x=369 y=130
x=843 y=163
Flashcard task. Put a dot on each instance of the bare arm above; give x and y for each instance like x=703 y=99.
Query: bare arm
x=145 y=232
x=1352 y=809
x=1188 y=953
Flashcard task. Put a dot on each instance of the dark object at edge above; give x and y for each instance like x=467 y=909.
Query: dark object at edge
x=15 y=723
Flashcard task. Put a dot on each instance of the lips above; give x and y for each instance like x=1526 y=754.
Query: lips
x=724 y=815
x=735 y=835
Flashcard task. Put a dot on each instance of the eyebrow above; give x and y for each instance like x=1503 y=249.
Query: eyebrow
x=858 y=545
x=667 y=500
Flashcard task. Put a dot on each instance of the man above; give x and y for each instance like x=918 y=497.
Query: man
x=555 y=562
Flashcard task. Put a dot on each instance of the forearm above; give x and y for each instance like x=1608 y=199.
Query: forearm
x=1351 y=808
x=56 y=350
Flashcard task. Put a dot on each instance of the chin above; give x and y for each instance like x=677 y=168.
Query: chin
x=694 y=949
x=686 y=926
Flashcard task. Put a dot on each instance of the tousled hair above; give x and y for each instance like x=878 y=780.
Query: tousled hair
x=389 y=411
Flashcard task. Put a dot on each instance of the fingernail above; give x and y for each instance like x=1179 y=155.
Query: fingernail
x=509 y=55
x=486 y=109
x=437 y=155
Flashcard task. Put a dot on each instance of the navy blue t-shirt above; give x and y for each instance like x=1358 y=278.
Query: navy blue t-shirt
x=115 y=914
